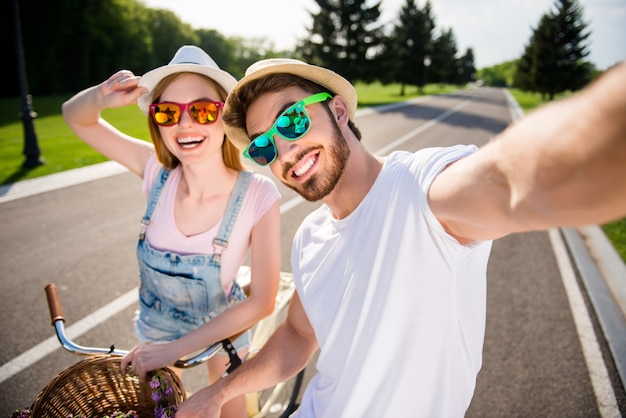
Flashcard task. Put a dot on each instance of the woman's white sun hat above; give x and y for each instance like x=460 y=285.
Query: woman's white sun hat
x=188 y=58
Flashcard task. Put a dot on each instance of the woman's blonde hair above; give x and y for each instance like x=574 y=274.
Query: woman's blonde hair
x=230 y=154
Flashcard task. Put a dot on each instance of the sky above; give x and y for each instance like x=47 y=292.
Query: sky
x=496 y=30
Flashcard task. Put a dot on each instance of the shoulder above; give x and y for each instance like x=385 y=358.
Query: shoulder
x=262 y=193
x=263 y=183
x=318 y=220
x=429 y=157
x=425 y=164
x=150 y=172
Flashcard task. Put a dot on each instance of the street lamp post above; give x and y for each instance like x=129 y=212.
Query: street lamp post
x=27 y=114
x=427 y=63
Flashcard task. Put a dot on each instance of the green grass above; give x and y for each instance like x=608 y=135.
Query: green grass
x=528 y=101
x=377 y=94
x=60 y=148
x=615 y=231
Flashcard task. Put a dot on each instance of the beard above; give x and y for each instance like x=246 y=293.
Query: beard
x=320 y=185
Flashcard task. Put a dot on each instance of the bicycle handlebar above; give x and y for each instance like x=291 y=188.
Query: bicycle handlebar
x=54 y=303
x=58 y=322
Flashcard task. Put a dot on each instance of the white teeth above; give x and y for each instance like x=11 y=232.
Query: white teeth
x=189 y=139
x=305 y=167
x=189 y=142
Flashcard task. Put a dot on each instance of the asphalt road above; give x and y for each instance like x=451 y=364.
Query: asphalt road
x=83 y=237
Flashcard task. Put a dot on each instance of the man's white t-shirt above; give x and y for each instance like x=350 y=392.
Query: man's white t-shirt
x=397 y=304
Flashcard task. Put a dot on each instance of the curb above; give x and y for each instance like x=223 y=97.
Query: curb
x=595 y=260
x=59 y=180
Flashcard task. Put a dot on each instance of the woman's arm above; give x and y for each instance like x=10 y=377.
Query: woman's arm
x=265 y=267
x=82 y=114
x=563 y=165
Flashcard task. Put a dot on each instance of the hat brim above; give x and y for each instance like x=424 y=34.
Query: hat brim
x=335 y=83
x=153 y=77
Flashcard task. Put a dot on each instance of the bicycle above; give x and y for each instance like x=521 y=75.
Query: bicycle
x=95 y=386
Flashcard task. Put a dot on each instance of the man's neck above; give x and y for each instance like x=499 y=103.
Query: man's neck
x=362 y=170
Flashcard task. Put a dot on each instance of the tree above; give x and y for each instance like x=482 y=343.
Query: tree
x=465 y=69
x=167 y=34
x=499 y=75
x=525 y=73
x=408 y=45
x=344 y=37
x=70 y=45
x=249 y=51
x=444 y=62
x=220 y=49
x=553 y=61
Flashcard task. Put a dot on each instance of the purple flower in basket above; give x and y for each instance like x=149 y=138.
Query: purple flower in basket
x=166 y=412
x=157 y=396
x=161 y=390
x=155 y=383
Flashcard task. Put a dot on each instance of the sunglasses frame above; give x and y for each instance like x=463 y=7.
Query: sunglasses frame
x=269 y=134
x=186 y=107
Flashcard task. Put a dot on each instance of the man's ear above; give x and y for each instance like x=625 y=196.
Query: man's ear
x=339 y=108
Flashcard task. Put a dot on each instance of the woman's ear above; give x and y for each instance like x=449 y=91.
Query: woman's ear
x=339 y=108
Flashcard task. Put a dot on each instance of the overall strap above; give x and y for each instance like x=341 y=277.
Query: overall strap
x=155 y=192
x=220 y=242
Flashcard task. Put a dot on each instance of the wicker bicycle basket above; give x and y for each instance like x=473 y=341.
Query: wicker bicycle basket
x=95 y=387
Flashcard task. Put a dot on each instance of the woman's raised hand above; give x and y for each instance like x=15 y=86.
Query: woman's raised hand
x=121 y=89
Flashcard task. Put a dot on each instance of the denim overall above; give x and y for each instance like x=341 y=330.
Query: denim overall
x=179 y=293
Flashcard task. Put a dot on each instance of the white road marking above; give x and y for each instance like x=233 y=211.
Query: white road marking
x=605 y=397
x=36 y=353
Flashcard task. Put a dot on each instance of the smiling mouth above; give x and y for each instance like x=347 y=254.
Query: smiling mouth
x=305 y=165
x=189 y=142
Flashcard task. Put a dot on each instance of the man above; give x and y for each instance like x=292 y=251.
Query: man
x=390 y=271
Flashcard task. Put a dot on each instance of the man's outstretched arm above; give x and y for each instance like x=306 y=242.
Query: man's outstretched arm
x=562 y=165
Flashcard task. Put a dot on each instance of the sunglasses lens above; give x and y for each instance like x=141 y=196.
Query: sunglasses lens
x=203 y=112
x=262 y=150
x=293 y=124
x=166 y=114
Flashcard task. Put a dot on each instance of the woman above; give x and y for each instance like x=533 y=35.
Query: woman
x=204 y=213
